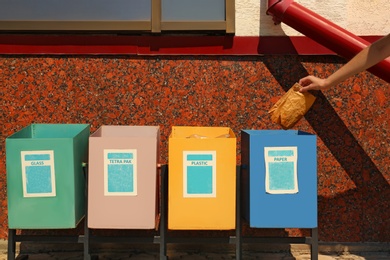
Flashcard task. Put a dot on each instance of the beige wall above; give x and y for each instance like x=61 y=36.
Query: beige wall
x=361 y=17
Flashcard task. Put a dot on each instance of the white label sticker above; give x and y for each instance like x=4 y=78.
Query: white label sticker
x=281 y=170
x=120 y=172
x=38 y=175
x=199 y=170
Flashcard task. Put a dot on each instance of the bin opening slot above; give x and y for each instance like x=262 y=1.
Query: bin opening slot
x=196 y=136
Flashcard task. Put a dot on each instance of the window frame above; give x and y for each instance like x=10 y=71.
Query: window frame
x=155 y=25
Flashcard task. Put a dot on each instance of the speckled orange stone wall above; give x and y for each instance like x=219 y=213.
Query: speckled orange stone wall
x=351 y=121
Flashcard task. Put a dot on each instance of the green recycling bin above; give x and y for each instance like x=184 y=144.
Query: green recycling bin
x=45 y=180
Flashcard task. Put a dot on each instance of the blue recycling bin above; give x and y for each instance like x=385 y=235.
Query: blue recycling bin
x=279 y=178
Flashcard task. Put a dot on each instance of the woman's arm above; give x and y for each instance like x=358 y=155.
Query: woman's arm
x=365 y=59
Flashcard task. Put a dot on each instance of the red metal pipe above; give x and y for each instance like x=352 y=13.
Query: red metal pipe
x=324 y=32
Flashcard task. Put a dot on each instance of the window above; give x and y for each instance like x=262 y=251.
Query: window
x=117 y=15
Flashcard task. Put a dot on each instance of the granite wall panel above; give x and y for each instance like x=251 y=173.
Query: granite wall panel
x=351 y=120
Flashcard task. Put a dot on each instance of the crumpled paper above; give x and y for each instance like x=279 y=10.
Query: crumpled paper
x=291 y=107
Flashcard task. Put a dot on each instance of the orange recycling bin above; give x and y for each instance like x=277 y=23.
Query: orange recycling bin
x=122 y=177
x=201 y=178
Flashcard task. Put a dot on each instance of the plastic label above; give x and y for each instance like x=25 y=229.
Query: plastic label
x=199 y=168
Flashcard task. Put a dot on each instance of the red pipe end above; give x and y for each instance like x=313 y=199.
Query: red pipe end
x=277 y=8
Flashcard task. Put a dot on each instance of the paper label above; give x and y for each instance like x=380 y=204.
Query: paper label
x=199 y=169
x=281 y=170
x=38 y=174
x=120 y=172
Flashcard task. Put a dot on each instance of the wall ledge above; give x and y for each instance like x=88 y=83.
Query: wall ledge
x=33 y=44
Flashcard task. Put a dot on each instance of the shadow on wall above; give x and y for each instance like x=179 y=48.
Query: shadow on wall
x=267 y=26
x=363 y=212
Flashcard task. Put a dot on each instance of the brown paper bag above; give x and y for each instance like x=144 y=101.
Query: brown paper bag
x=291 y=107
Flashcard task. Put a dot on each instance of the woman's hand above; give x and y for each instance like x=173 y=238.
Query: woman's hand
x=312 y=83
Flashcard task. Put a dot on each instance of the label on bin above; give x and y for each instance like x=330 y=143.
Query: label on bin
x=281 y=170
x=199 y=174
x=38 y=173
x=120 y=172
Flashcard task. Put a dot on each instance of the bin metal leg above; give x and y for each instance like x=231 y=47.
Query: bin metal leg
x=11 y=244
x=86 y=229
x=164 y=211
x=11 y=253
x=87 y=255
x=238 y=213
x=314 y=244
